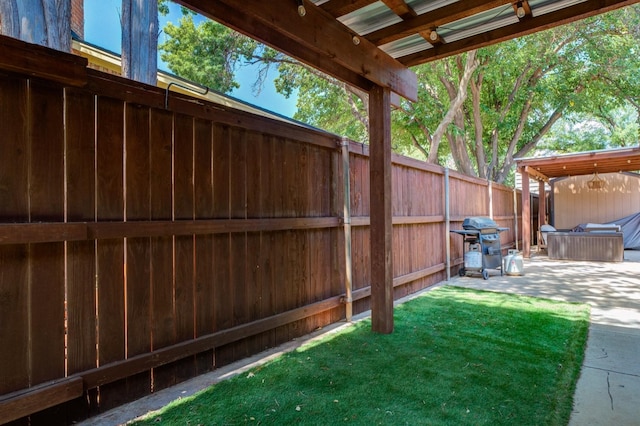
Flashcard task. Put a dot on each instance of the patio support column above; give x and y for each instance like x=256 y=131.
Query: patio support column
x=380 y=210
x=542 y=205
x=526 y=215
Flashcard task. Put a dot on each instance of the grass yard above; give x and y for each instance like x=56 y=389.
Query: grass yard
x=456 y=357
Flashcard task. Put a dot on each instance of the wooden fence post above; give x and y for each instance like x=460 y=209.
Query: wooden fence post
x=447 y=222
x=381 y=212
x=526 y=215
x=348 y=272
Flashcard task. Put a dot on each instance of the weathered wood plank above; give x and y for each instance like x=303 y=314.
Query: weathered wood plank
x=80 y=259
x=183 y=208
x=46 y=261
x=38 y=61
x=162 y=271
x=22 y=403
x=203 y=209
x=110 y=253
x=125 y=368
x=14 y=332
x=138 y=250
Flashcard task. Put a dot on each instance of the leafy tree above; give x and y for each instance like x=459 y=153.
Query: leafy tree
x=323 y=101
x=207 y=52
x=480 y=110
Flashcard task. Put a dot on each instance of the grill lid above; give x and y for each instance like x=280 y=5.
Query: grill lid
x=479 y=222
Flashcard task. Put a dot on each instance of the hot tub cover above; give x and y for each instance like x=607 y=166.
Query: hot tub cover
x=630 y=227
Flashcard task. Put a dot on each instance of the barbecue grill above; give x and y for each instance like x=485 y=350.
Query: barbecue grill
x=481 y=244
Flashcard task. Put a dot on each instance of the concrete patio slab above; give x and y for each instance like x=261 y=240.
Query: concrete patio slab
x=609 y=384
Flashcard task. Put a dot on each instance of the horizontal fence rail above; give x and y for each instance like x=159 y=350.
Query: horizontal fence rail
x=141 y=245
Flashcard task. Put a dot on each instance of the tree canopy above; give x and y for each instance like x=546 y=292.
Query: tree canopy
x=569 y=88
x=205 y=52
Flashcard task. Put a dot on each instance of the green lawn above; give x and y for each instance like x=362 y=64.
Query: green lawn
x=456 y=357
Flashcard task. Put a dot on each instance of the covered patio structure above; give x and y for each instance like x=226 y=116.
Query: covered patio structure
x=543 y=169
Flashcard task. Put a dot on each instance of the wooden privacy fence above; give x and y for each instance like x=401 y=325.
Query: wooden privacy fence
x=141 y=245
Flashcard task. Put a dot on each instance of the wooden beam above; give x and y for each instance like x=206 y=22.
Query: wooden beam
x=42 y=62
x=536 y=174
x=542 y=205
x=27 y=233
x=338 y=8
x=525 y=27
x=244 y=23
x=381 y=210
x=315 y=38
x=125 y=368
x=22 y=403
x=400 y=8
x=526 y=215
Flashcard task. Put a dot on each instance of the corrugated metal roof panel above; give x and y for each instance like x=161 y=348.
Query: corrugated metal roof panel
x=406 y=46
x=370 y=18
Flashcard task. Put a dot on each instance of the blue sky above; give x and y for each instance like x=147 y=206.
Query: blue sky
x=102 y=28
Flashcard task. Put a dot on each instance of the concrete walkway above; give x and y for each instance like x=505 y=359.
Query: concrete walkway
x=608 y=391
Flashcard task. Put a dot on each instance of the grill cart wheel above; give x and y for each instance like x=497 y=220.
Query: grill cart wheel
x=485 y=274
x=462 y=272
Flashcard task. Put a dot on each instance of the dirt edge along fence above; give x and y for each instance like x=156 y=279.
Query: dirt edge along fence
x=141 y=245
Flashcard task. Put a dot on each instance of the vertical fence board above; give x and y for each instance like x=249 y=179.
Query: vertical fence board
x=46 y=261
x=223 y=291
x=268 y=199
x=238 y=241
x=203 y=209
x=81 y=264
x=81 y=267
x=138 y=250
x=184 y=245
x=14 y=204
x=110 y=253
x=254 y=269
x=162 y=279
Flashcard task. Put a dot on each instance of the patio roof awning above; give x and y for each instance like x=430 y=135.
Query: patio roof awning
x=581 y=163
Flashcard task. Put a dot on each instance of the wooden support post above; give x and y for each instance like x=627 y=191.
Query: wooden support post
x=348 y=270
x=381 y=219
x=542 y=205
x=526 y=216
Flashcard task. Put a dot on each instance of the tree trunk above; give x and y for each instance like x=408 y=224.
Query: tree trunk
x=44 y=22
x=140 y=40
x=455 y=105
x=481 y=159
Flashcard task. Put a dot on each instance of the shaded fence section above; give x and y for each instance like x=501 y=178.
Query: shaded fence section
x=141 y=245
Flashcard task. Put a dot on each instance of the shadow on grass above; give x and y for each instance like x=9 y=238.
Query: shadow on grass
x=457 y=356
